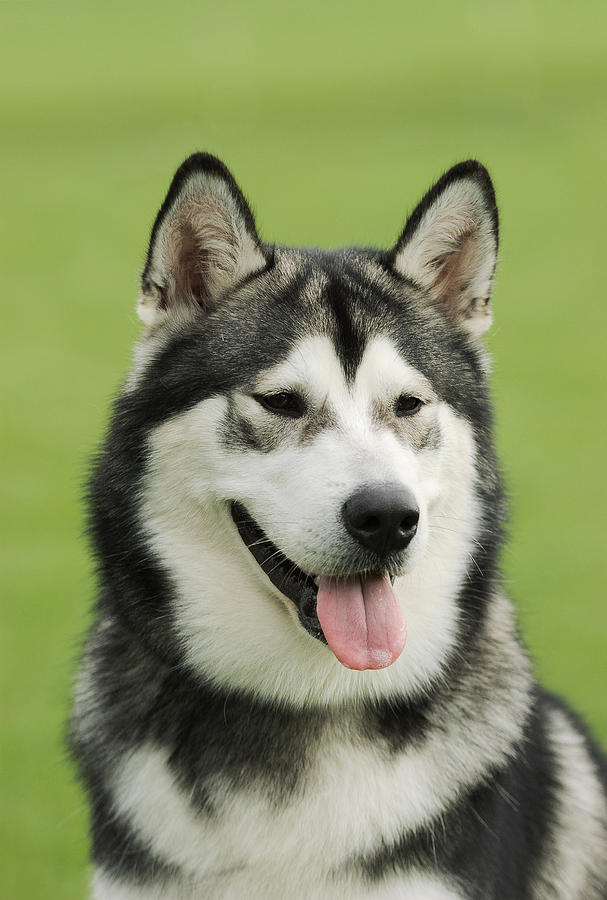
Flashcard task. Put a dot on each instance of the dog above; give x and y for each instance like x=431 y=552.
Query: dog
x=304 y=678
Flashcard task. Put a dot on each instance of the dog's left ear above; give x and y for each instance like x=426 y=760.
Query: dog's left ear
x=203 y=242
x=449 y=245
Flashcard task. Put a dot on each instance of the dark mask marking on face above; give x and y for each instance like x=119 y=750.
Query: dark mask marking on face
x=239 y=433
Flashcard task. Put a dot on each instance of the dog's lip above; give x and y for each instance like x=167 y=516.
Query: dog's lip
x=298 y=586
x=285 y=575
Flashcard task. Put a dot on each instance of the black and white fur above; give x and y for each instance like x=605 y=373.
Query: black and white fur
x=225 y=750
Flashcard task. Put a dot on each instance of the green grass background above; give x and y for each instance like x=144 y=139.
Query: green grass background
x=334 y=117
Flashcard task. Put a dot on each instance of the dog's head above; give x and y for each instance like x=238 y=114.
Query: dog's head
x=316 y=464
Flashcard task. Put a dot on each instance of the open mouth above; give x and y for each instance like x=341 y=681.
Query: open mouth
x=357 y=615
x=290 y=580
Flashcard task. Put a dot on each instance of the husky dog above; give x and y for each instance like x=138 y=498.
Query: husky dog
x=304 y=679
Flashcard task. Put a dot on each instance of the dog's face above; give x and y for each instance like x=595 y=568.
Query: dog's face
x=313 y=424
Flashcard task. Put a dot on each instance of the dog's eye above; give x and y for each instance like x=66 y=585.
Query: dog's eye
x=283 y=403
x=407 y=406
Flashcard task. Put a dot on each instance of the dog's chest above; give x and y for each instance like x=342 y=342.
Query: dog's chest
x=351 y=800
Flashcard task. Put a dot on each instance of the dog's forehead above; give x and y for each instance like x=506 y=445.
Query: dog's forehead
x=344 y=295
x=345 y=321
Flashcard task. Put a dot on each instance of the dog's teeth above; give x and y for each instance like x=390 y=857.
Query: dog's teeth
x=316 y=580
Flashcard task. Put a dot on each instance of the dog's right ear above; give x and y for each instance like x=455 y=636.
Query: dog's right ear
x=203 y=242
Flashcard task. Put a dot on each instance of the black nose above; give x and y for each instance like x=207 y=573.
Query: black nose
x=382 y=518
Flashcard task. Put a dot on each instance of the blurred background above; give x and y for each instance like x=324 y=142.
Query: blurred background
x=334 y=117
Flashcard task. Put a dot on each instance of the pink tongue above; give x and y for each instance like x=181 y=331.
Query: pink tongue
x=362 y=620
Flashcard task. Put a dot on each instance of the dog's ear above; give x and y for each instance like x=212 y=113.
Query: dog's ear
x=449 y=245
x=203 y=242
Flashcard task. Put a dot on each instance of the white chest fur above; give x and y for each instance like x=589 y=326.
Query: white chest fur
x=356 y=798
x=415 y=886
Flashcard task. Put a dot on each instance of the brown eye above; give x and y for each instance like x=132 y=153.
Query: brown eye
x=283 y=403
x=407 y=406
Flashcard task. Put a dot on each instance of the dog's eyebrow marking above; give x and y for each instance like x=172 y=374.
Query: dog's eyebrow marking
x=312 y=367
x=383 y=366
